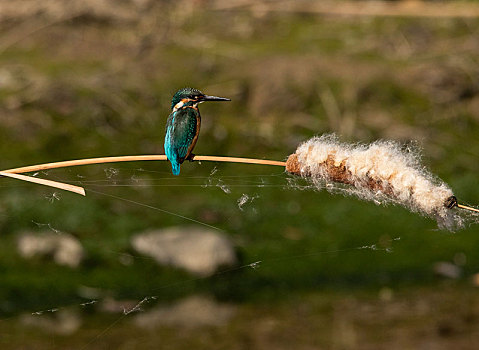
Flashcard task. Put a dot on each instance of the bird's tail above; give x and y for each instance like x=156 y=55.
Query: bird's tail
x=175 y=167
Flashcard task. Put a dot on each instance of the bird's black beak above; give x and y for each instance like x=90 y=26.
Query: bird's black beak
x=214 y=98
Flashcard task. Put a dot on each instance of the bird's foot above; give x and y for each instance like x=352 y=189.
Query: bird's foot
x=191 y=157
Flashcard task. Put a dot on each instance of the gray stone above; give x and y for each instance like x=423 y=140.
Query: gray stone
x=447 y=269
x=195 y=249
x=191 y=312
x=63 y=248
x=61 y=322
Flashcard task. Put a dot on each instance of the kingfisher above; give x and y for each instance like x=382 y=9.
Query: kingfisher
x=183 y=125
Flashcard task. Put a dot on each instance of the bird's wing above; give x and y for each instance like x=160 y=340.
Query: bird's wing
x=182 y=132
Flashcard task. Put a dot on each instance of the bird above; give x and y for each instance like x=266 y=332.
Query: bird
x=183 y=125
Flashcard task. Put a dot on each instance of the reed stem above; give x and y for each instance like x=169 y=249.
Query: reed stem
x=160 y=157
x=55 y=184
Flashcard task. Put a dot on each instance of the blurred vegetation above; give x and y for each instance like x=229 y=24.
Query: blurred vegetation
x=100 y=83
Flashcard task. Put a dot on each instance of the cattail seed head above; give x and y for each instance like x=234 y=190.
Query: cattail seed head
x=377 y=171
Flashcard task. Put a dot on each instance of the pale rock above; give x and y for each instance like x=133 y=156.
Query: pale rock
x=197 y=250
x=191 y=312
x=64 y=248
x=447 y=269
x=61 y=322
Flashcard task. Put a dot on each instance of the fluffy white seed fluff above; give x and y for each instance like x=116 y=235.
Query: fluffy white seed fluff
x=400 y=177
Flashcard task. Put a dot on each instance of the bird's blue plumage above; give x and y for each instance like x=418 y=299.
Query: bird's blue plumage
x=171 y=154
x=183 y=125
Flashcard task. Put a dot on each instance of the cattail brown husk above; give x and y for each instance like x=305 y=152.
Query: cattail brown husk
x=380 y=171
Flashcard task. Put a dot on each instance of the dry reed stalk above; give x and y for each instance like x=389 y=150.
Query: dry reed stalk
x=55 y=184
x=102 y=160
x=13 y=173
x=462 y=206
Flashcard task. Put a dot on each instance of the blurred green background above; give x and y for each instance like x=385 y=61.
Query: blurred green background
x=96 y=79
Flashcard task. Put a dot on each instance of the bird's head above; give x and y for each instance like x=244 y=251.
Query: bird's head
x=191 y=97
